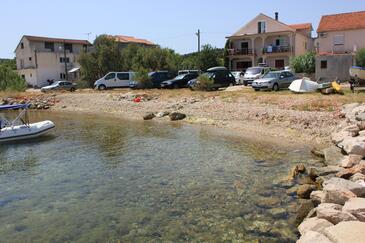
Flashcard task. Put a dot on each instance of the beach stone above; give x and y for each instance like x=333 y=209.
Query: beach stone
x=354 y=145
x=317 y=152
x=356 y=206
x=347 y=173
x=303 y=208
x=268 y=202
x=357 y=189
x=351 y=160
x=333 y=156
x=304 y=191
x=313 y=237
x=278 y=212
x=337 y=195
x=149 y=116
x=323 y=171
x=162 y=114
x=313 y=224
x=317 y=197
x=175 y=116
x=360 y=117
x=260 y=226
x=332 y=212
x=351 y=232
x=356 y=177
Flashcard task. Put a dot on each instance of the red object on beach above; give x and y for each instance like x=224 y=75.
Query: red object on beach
x=137 y=99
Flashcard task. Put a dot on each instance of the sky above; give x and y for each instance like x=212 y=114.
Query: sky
x=169 y=23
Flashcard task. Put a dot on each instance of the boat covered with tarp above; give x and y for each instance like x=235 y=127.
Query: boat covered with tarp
x=20 y=128
x=304 y=85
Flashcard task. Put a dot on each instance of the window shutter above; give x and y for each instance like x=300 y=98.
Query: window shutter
x=339 y=40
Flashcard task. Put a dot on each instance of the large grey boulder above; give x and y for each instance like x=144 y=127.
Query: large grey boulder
x=337 y=195
x=357 y=189
x=332 y=213
x=313 y=224
x=313 y=237
x=354 y=145
x=333 y=155
x=356 y=206
x=346 y=232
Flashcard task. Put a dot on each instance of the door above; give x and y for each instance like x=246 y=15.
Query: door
x=289 y=79
x=279 y=64
x=123 y=79
x=110 y=80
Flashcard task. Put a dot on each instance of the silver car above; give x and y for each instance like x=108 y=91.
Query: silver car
x=60 y=85
x=274 y=81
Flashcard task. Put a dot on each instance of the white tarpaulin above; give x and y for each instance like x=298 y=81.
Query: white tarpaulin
x=303 y=85
x=74 y=70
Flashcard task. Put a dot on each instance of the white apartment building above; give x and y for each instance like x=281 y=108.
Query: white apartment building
x=41 y=59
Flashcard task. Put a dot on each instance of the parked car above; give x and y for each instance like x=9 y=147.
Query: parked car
x=179 y=81
x=274 y=81
x=60 y=85
x=238 y=76
x=156 y=78
x=188 y=71
x=114 y=80
x=220 y=75
x=254 y=73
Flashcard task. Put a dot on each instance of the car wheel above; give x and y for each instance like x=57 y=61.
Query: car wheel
x=175 y=86
x=102 y=87
x=245 y=83
x=72 y=89
x=257 y=90
x=275 y=87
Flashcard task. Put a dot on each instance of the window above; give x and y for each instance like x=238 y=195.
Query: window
x=123 y=76
x=261 y=27
x=323 y=35
x=30 y=75
x=30 y=58
x=49 y=46
x=324 y=64
x=244 y=45
x=22 y=45
x=277 y=42
x=68 y=47
x=338 y=40
x=110 y=76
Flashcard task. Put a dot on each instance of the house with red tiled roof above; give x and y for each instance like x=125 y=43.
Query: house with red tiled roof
x=339 y=38
x=42 y=59
x=268 y=40
x=131 y=40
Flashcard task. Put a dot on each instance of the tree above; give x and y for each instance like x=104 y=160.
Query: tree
x=305 y=63
x=226 y=54
x=209 y=57
x=9 y=78
x=360 y=58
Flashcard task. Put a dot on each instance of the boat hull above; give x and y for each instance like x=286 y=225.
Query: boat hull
x=303 y=86
x=22 y=132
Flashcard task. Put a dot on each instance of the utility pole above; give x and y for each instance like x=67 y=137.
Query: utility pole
x=64 y=58
x=198 y=34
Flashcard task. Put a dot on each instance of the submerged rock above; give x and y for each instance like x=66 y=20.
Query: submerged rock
x=303 y=208
x=268 y=202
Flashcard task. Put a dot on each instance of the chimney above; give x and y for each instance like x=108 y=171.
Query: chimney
x=276 y=16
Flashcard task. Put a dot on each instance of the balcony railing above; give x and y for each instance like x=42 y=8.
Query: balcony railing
x=244 y=51
x=276 y=49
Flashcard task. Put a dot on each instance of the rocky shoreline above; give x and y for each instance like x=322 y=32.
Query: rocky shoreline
x=335 y=194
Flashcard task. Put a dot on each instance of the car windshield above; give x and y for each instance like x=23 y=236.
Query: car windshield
x=180 y=77
x=253 y=71
x=209 y=74
x=271 y=75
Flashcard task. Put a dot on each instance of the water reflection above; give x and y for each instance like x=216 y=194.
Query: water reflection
x=103 y=180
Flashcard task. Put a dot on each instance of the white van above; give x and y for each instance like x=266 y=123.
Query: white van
x=114 y=80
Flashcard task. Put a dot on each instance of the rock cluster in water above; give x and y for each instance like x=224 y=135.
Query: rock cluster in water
x=39 y=102
x=338 y=194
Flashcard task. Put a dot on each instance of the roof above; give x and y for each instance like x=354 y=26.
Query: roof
x=131 y=39
x=343 y=21
x=58 y=40
x=303 y=26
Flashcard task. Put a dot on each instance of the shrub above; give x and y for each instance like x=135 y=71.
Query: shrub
x=144 y=81
x=204 y=83
x=10 y=80
x=305 y=63
x=360 y=58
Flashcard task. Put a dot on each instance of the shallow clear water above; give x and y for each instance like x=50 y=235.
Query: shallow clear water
x=107 y=180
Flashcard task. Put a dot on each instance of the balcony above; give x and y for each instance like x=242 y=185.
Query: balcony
x=241 y=52
x=276 y=49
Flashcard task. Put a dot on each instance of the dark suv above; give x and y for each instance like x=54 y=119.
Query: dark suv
x=221 y=76
x=156 y=78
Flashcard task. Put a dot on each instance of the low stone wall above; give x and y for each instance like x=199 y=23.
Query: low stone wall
x=338 y=189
